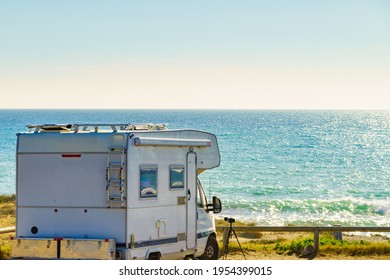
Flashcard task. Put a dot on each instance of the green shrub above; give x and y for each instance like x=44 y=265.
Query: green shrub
x=328 y=244
x=4 y=198
x=295 y=247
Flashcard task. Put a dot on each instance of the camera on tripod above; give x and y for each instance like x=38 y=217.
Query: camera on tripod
x=229 y=235
x=229 y=220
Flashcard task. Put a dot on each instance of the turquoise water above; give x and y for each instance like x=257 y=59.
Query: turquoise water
x=277 y=167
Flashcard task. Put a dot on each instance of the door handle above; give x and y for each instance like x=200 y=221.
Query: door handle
x=189 y=195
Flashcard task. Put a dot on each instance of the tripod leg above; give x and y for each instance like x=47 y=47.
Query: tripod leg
x=226 y=245
x=242 y=251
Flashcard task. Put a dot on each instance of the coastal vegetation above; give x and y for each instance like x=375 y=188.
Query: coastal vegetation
x=256 y=245
x=277 y=245
x=7 y=219
x=365 y=248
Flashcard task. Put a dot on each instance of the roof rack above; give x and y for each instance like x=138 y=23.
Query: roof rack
x=87 y=127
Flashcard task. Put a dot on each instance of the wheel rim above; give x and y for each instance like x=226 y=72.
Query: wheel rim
x=209 y=251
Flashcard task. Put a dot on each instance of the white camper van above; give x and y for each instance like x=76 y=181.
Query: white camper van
x=114 y=191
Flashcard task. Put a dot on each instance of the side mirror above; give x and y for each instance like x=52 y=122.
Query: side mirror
x=217 y=205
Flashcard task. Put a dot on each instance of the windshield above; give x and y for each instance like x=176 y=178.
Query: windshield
x=201 y=200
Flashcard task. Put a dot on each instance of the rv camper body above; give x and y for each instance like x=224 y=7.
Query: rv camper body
x=131 y=192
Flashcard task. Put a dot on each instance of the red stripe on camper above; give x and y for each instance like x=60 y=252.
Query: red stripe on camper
x=71 y=155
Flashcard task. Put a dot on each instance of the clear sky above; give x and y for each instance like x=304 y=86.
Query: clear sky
x=224 y=54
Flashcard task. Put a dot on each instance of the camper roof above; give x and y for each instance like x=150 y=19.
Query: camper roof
x=94 y=127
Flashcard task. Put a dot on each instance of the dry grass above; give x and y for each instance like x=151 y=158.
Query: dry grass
x=7 y=210
x=7 y=219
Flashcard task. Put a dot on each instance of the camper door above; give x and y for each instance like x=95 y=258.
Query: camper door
x=191 y=200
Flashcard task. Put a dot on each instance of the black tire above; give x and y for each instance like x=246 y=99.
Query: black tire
x=211 y=252
x=154 y=256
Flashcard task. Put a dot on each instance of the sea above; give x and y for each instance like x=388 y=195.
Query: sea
x=278 y=168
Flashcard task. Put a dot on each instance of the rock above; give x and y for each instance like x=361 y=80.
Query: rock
x=307 y=251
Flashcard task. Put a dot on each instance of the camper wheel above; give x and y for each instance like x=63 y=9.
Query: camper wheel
x=211 y=252
x=154 y=256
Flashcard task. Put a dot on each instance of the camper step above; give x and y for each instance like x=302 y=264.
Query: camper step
x=115 y=180
x=115 y=164
x=115 y=186
x=115 y=189
x=117 y=198
x=117 y=148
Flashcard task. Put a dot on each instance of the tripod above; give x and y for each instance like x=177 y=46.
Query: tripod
x=229 y=235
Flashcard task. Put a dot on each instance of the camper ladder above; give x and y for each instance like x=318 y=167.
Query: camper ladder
x=116 y=171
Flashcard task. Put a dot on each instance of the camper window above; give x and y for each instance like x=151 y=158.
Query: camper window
x=148 y=182
x=176 y=177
